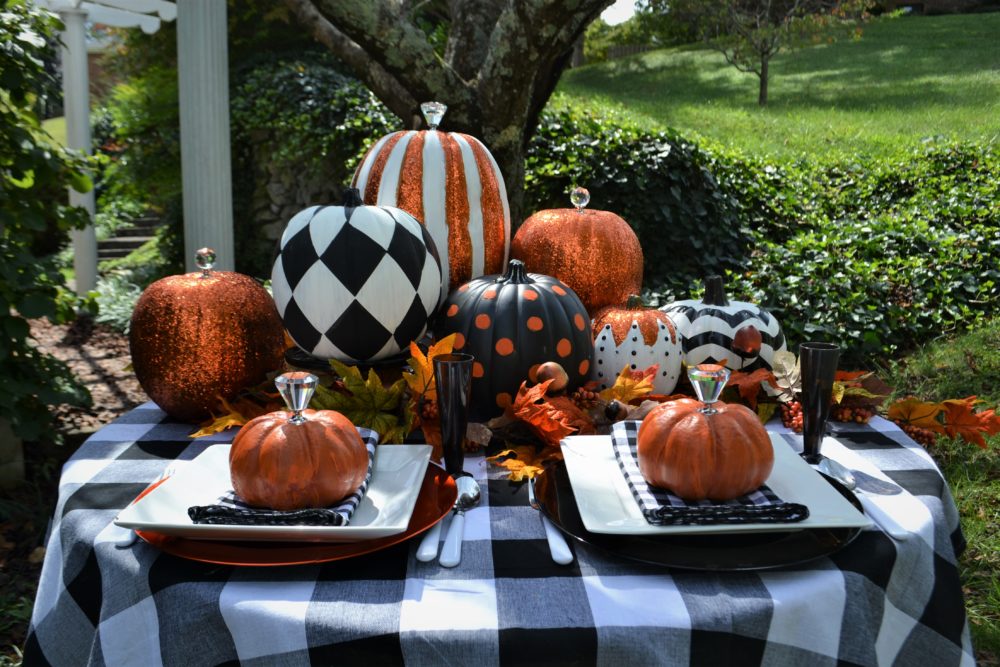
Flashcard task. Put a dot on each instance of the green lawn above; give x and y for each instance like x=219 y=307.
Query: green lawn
x=967 y=365
x=905 y=80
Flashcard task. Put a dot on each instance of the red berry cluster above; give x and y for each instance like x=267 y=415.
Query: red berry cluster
x=584 y=399
x=791 y=415
x=852 y=413
x=923 y=436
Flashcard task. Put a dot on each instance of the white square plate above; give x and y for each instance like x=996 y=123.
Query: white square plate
x=385 y=510
x=607 y=506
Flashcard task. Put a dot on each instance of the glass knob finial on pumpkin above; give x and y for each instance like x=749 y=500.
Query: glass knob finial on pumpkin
x=708 y=381
x=205 y=259
x=433 y=113
x=580 y=197
x=297 y=389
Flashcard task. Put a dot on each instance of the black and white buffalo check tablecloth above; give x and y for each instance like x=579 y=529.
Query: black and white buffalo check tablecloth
x=877 y=602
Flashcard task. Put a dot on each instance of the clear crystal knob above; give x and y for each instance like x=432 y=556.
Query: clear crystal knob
x=205 y=259
x=433 y=113
x=297 y=389
x=708 y=381
x=580 y=198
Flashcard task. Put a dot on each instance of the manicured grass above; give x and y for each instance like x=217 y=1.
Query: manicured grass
x=905 y=80
x=967 y=365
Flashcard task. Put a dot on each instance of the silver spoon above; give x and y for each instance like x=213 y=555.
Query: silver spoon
x=468 y=497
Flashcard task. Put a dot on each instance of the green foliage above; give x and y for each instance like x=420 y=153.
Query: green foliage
x=600 y=36
x=116 y=297
x=33 y=222
x=879 y=256
x=661 y=184
x=296 y=115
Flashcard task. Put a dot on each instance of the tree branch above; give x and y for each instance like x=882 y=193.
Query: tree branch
x=527 y=41
x=386 y=34
x=385 y=86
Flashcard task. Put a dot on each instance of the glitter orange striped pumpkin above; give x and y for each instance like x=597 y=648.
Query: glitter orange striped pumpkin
x=451 y=183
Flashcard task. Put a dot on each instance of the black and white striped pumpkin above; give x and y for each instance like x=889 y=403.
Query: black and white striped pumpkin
x=355 y=283
x=714 y=329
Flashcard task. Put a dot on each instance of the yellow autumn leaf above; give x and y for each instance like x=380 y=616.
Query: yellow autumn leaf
x=230 y=418
x=525 y=461
x=421 y=379
x=627 y=388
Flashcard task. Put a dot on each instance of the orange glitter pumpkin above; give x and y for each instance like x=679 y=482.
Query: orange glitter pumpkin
x=451 y=183
x=200 y=336
x=594 y=252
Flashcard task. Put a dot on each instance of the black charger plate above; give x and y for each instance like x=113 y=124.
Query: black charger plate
x=719 y=552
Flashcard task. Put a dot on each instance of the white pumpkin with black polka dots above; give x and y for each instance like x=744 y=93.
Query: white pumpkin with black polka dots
x=637 y=337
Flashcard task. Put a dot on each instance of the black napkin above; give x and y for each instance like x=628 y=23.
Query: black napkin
x=662 y=508
x=231 y=510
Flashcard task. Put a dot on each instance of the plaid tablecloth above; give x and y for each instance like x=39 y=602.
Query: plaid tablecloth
x=877 y=602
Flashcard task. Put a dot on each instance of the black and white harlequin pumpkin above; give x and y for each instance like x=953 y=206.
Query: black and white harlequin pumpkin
x=513 y=323
x=716 y=329
x=355 y=283
x=637 y=337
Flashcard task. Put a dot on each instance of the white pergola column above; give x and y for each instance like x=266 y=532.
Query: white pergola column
x=203 y=80
x=76 y=103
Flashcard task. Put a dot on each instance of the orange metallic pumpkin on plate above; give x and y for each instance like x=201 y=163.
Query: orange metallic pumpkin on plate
x=306 y=458
x=700 y=450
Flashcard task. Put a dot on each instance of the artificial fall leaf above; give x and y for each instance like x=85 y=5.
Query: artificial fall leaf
x=366 y=402
x=749 y=384
x=960 y=420
x=631 y=385
x=547 y=421
x=526 y=461
x=573 y=415
x=234 y=414
x=919 y=413
x=765 y=411
x=837 y=395
x=850 y=376
x=787 y=374
x=421 y=379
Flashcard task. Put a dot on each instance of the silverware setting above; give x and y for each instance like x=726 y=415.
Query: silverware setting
x=558 y=548
x=862 y=484
x=468 y=497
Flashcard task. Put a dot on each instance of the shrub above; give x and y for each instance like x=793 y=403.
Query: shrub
x=664 y=186
x=33 y=221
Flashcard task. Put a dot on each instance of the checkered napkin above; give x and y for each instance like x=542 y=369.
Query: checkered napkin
x=662 y=508
x=230 y=508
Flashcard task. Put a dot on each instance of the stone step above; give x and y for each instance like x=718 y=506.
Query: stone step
x=112 y=253
x=127 y=242
x=137 y=230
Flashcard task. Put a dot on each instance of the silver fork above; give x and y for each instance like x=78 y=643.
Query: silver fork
x=130 y=536
x=558 y=548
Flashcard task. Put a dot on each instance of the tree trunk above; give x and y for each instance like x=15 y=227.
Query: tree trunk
x=501 y=63
x=762 y=92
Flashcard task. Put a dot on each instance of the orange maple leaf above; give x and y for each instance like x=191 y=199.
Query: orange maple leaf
x=961 y=421
x=849 y=376
x=526 y=461
x=631 y=385
x=917 y=413
x=748 y=384
x=548 y=423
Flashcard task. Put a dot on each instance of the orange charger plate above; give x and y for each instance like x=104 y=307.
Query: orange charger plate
x=437 y=496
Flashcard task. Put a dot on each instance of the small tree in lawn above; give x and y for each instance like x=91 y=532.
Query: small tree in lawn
x=749 y=33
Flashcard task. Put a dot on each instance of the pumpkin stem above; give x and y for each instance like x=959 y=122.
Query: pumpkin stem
x=635 y=302
x=516 y=274
x=352 y=198
x=715 y=292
